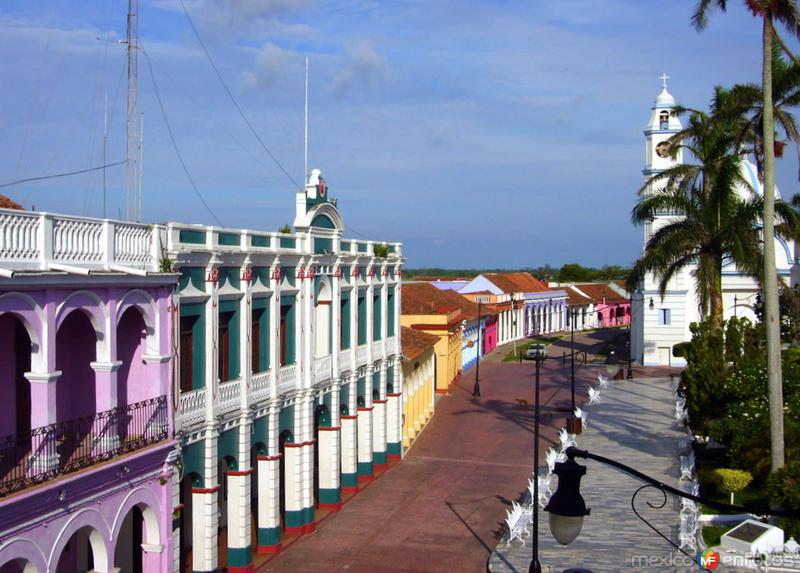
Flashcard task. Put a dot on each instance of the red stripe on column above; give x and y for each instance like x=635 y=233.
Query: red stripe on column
x=214 y=489
x=329 y=428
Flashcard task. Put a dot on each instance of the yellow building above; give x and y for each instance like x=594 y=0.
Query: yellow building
x=419 y=372
x=425 y=308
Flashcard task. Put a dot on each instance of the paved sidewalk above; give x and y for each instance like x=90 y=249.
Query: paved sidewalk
x=633 y=424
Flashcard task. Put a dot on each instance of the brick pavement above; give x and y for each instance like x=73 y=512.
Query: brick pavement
x=633 y=424
x=441 y=509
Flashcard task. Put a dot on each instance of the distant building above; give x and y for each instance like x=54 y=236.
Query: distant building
x=527 y=306
x=428 y=309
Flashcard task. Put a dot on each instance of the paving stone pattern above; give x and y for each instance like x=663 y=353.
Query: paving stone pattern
x=634 y=424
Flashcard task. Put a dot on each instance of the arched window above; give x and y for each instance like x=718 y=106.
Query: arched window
x=663 y=119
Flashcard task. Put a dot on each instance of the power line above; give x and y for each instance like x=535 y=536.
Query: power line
x=233 y=99
x=172 y=138
x=67 y=174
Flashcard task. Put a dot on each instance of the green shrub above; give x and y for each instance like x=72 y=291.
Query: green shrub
x=285 y=229
x=381 y=251
x=783 y=488
x=709 y=480
x=712 y=534
x=732 y=481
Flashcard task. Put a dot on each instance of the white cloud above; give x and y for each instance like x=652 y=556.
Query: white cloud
x=269 y=67
x=363 y=64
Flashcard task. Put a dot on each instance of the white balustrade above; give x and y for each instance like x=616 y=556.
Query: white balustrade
x=345 y=363
x=287 y=378
x=132 y=245
x=259 y=387
x=361 y=355
x=18 y=236
x=77 y=240
x=36 y=240
x=192 y=407
x=228 y=396
x=322 y=368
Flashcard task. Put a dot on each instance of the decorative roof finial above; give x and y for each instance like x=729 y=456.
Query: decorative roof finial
x=664 y=78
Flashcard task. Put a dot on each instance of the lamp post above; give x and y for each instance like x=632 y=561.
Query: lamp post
x=534 y=566
x=476 y=390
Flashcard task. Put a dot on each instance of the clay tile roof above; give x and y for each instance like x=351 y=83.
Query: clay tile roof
x=598 y=291
x=415 y=342
x=424 y=298
x=576 y=298
x=6 y=203
x=516 y=282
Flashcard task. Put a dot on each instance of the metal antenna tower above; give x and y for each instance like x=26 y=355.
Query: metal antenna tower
x=131 y=150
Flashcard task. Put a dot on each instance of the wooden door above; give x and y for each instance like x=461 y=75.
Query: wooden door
x=187 y=354
x=255 y=342
x=223 y=349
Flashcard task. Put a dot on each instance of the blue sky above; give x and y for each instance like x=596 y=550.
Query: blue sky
x=479 y=134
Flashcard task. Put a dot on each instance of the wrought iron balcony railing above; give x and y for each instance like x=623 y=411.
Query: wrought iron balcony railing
x=71 y=445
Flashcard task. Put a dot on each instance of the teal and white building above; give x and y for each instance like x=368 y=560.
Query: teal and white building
x=289 y=379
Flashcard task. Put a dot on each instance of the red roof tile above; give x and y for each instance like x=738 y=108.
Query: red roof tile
x=415 y=342
x=516 y=282
x=600 y=292
x=6 y=203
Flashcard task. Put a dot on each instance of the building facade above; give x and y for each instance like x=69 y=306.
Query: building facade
x=658 y=323
x=419 y=382
x=289 y=375
x=86 y=455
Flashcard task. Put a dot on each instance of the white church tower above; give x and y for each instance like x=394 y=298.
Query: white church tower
x=658 y=324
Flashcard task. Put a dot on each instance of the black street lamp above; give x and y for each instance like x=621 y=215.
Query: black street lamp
x=476 y=390
x=534 y=566
x=567 y=508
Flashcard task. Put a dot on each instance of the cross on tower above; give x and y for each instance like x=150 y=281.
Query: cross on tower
x=663 y=78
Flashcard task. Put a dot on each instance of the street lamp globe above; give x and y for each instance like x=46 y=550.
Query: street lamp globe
x=566 y=506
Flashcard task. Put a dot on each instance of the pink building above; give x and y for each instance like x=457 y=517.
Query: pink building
x=86 y=414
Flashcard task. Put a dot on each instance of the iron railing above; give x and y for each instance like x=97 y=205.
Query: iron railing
x=71 y=445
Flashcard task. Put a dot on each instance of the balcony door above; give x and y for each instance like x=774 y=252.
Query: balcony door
x=22 y=393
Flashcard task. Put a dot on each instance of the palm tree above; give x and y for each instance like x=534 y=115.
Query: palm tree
x=784 y=12
x=713 y=224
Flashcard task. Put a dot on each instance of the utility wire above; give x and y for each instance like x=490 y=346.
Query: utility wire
x=67 y=174
x=233 y=99
x=172 y=138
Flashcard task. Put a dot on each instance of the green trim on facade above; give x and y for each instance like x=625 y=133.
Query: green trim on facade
x=229 y=239
x=193 y=456
x=260 y=433
x=268 y=536
x=365 y=468
x=376 y=384
x=390 y=380
x=288 y=272
x=323 y=222
x=195 y=275
x=192 y=237
x=261 y=314
x=260 y=241
x=286 y=419
x=379 y=458
x=322 y=245
x=349 y=480
x=228 y=446
x=376 y=315
x=390 y=313
x=288 y=243
x=345 y=246
x=394 y=448
x=230 y=275
x=308 y=515
x=330 y=496
x=240 y=556
x=344 y=337
x=344 y=396
x=362 y=317
x=197 y=310
x=232 y=307
x=362 y=247
x=361 y=388
x=295 y=518
x=289 y=302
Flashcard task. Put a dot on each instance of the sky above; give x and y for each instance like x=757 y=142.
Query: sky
x=479 y=134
